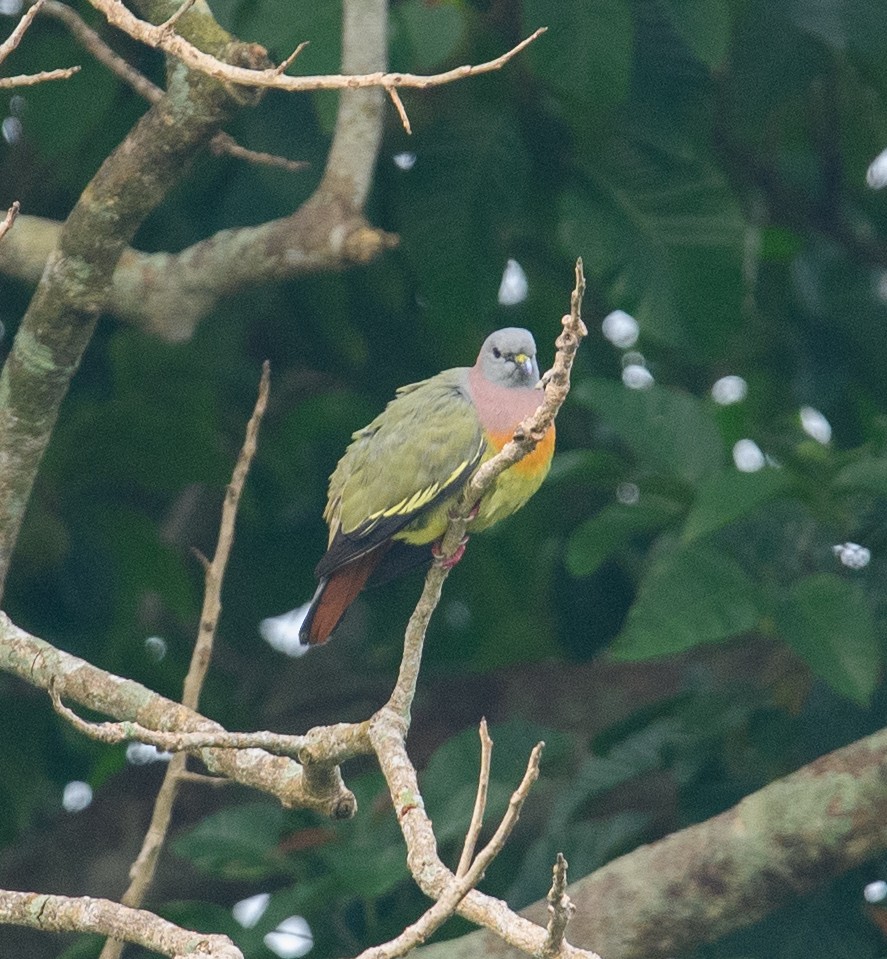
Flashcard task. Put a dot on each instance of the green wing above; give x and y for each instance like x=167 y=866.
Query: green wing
x=418 y=451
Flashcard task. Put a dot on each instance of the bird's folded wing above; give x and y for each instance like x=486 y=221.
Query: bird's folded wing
x=419 y=451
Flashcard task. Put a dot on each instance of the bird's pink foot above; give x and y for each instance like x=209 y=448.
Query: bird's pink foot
x=448 y=562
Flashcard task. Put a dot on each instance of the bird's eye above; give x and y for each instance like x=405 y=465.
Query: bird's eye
x=497 y=352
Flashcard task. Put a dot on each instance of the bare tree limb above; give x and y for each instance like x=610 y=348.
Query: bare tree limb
x=416 y=933
x=13 y=40
x=32 y=79
x=480 y=801
x=221 y=144
x=171 y=43
x=701 y=883
x=85 y=914
x=41 y=664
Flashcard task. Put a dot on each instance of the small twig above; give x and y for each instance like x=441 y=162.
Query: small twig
x=418 y=833
x=401 y=109
x=284 y=65
x=170 y=22
x=223 y=143
x=560 y=910
x=95 y=45
x=201 y=779
x=15 y=38
x=114 y=733
x=480 y=801
x=32 y=79
x=9 y=219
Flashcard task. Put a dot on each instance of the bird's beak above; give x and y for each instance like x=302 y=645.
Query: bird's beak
x=524 y=362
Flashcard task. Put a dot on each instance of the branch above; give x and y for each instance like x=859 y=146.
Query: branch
x=701 y=883
x=459 y=886
x=144 y=868
x=63 y=312
x=560 y=910
x=13 y=40
x=169 y=294
x=171 y=43
x=85 y=914
x=75 y=680
x=32 y=79
x=480 y=801
x=221 y=144
x=556 y=386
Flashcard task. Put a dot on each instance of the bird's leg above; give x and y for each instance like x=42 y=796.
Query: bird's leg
x=472 y=515
x=448 y=562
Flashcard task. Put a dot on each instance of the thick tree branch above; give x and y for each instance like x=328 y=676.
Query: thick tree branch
x=84 y=914
x=72 y=292
x=703 y=882
x=42 y=665
x=168 y=294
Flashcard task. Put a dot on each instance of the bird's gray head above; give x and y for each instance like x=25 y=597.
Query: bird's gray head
x=508 y=358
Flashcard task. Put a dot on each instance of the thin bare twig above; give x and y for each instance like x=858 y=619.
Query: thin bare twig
x=170 y=22
x=95 y=45
x=394 y=96
x=9 y=219
x=32 y=79
x=456 y=890
x=221 y=144
x=15 y=38
x=284 y=65
x=119 y=16
x=480 y=800
x=113 y=733
x=143 y=869
x=560 y=910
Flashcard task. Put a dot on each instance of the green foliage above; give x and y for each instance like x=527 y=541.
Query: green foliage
x=707 y=159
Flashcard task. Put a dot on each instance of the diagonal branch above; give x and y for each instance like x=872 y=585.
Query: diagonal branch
x=144 y=868
x=159 y=38
x=527 y=435
x=85 y=914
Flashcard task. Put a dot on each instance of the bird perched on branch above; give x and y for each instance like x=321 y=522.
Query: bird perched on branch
x=391 y=493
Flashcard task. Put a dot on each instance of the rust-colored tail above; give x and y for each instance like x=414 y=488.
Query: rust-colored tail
x=335 y=594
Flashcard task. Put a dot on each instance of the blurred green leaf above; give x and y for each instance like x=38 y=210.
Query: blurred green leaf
x=237 y=843
x=586 y=53
x=704 y=25
x=666 y=428
x=598 y=538
x=725 y=497
x=828 y=621
x=434 y=30
x=690 y=595
x=663 y=233
x=868 y=475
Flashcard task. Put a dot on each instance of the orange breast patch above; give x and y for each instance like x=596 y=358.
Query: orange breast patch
x=533 y=462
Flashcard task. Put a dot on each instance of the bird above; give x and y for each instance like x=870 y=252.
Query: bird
x=392 y=491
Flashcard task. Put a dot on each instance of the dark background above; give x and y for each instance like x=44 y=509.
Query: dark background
x=707 y=159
